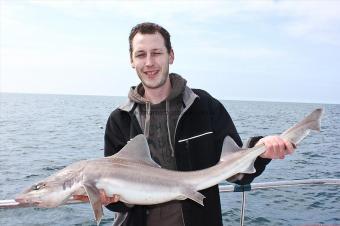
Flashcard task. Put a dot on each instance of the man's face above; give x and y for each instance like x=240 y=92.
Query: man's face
x=151 y=59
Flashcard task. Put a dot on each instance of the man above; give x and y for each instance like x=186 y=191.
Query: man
x=185 y=129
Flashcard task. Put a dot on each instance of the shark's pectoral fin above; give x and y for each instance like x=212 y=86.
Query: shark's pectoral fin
x=249 y=169
x=236 y=177
x=94 y=197
x=190 y=193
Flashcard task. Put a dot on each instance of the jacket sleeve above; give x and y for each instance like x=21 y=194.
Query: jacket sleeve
x=114 y=140
x=223 y=125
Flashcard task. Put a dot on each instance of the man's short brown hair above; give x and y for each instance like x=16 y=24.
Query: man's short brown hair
x=150 y=28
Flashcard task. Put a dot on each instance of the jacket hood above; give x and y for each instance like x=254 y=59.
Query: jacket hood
x=178 y=84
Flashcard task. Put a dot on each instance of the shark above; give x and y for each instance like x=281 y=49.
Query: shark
x=138 y=180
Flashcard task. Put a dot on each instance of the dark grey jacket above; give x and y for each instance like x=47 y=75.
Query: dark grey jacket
x=205 y=120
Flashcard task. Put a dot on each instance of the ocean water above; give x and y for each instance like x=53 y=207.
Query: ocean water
x=40 y=134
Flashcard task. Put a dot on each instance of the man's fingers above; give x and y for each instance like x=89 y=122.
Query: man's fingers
x=83 y=198
x=273 y=149
x=107 y=199
x=276 y=147
x=116 y=198
x=289 y=147
x=113 y=199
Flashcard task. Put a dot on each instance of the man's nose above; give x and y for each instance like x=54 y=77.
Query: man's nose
x=149 y=60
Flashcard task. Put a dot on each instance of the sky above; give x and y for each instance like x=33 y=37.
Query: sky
x=236 y=50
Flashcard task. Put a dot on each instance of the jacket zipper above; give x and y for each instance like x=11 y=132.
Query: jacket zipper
x=179 y=118
x=182 y=216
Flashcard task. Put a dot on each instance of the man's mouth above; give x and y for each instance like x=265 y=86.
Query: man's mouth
x=151 y=73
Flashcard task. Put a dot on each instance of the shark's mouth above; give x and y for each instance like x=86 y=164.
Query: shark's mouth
x=31 y=202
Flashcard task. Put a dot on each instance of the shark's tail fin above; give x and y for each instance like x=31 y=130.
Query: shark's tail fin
x=313 y=119
x=300 y=130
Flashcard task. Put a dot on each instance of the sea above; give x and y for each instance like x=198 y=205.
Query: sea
x=41 y=134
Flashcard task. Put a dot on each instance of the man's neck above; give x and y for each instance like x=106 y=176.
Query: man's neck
x=156 y=96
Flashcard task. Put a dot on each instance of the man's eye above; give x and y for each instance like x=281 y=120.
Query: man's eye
x=140 y=55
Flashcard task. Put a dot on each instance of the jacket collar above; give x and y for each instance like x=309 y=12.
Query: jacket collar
x=188 y=98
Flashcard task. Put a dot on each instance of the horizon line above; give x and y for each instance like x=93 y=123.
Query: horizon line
x=221 y=99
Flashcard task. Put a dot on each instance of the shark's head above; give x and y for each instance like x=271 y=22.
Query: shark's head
x=55 y=189
x=43 y=194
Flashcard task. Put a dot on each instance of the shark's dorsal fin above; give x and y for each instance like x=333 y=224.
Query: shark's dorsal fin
x=137 y=149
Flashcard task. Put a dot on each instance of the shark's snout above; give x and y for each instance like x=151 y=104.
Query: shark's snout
x=24 y=199
x=20 y=200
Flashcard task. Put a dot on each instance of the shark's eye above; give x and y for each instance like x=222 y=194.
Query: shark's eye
x=38 y=186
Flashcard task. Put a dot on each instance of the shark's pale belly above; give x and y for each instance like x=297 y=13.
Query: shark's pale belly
x=140 y=193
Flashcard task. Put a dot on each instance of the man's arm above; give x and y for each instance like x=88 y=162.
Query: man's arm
x=114 y=139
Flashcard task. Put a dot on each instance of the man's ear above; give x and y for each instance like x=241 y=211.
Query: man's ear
x=132 y=63
x=171 y=56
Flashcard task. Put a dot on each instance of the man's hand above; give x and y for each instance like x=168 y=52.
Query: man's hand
x=276 y=147
x=105 y=200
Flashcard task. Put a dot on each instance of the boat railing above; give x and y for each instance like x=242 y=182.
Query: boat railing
x=270 y=185
x=11 y=203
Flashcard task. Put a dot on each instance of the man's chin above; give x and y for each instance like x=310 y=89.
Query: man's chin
x=153 y=85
